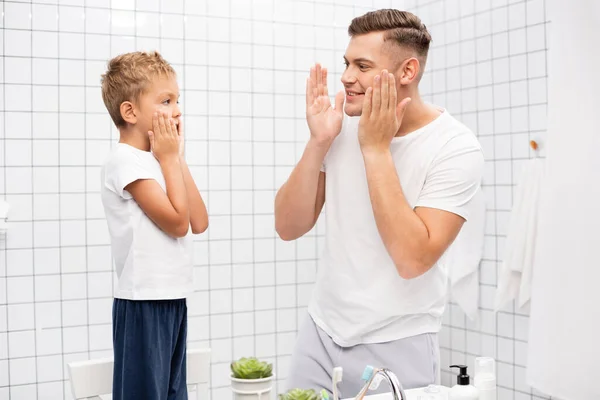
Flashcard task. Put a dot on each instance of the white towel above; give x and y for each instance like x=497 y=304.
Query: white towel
x=464 y=256
x=514 y=277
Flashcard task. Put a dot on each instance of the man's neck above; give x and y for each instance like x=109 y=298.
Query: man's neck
x=417 y=115
x=134 y=138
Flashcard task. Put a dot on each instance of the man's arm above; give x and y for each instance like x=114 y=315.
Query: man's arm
x=299 y=201
x=415 y=239
x=198 y=213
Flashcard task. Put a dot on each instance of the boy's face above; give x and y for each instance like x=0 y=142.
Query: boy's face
x=162 y=96
x=366 y=56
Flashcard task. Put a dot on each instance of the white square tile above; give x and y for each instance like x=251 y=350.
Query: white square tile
x=45 y=99
x=219 y=28
x=17 y=43
x=46 y=233
x=100 y=337
x=505 y=374
x=19 y=290
x=483 y=24
x=500 y=20
x=17 y=70
x=535 y=12
x=519 y=93
x=75 y=339
x=18 y=261
x=71 y=19
x=537 y=91
x=47 y=315
x=20 y=317
x=505 y=350
x=220 y=326
x=484 y=48
x=71 y=72
x=22 y=344
x=18 y=153
x=71 y=45
x=44 y=17
x=17 y=125
x=243 y=275
x=265 y=322
x=97 y=47
x=49 y=369
x=20 y=236
x=18 y=180
x=537 y=117
x=45 y=153
x=18 y=97
x=73 y=286
x=17 y=16
x=52 y=390
x=71 y=99
x=536 y=38
x=74 y=313
x=23 y=371
x=73 y=259
x=49 y=341
x=45 y=125
x=100 y=311
x=47 y=288
x=286 y=296
x=265 y=345
x=264 y=298
x=536 y=64
x=243 y=300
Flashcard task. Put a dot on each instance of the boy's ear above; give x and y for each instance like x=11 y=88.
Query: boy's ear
x=128 y=112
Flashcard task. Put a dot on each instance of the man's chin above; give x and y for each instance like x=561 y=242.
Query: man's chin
x=353 y=111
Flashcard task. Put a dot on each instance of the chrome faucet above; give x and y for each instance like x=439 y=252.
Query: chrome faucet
x=371 y=374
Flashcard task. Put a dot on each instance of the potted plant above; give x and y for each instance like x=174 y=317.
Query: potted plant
x=303 y=394
x=251 y=379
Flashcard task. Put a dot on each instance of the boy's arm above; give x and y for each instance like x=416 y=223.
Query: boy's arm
x=170 y=210
x=198 y=213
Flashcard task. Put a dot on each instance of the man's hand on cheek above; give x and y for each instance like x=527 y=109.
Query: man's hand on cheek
x=381 y=114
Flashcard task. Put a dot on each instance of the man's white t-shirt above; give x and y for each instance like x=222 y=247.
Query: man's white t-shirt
x=359 y=297
x=150 y=264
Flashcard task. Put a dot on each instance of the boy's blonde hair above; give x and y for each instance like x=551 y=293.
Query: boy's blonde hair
x=128 y=76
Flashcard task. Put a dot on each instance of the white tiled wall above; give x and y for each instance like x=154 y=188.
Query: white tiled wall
x=242 y=66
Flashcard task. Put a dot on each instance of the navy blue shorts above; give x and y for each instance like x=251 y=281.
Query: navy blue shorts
x=149 y=341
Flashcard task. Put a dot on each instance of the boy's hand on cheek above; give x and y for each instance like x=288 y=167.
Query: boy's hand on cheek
x=164 y=137
x=181 y=137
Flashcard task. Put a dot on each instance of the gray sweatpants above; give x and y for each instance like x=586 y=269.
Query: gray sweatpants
x=414 y=360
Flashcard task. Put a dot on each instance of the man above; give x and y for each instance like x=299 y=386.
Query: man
x=399 y=176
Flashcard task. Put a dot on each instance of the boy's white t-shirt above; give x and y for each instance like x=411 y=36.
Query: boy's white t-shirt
x=359 y=297
x=150 y=264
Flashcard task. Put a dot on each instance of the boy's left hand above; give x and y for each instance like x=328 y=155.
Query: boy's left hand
x=381 y=114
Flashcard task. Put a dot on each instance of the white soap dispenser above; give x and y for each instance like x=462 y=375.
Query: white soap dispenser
x=484 y=378
x=463 y=390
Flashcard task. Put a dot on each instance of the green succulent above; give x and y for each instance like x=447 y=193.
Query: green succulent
x=251 y=368
x=300 y=394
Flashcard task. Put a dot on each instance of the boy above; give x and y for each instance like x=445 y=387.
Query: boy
x=150 y=201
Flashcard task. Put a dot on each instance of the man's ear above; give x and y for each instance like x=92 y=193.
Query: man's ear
x=409 y=71
x=128 y=112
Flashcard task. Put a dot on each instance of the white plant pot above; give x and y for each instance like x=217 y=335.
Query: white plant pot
x=252 y=389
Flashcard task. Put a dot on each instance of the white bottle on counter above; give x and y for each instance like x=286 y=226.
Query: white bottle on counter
x=463 y=390
x=485 y=378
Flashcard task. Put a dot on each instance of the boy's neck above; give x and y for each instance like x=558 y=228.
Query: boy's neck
x=134 y=138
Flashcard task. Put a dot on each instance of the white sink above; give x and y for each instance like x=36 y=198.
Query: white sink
x=412 y=394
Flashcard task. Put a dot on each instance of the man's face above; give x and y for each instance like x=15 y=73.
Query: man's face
x=366 y=56
x=161 y=96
